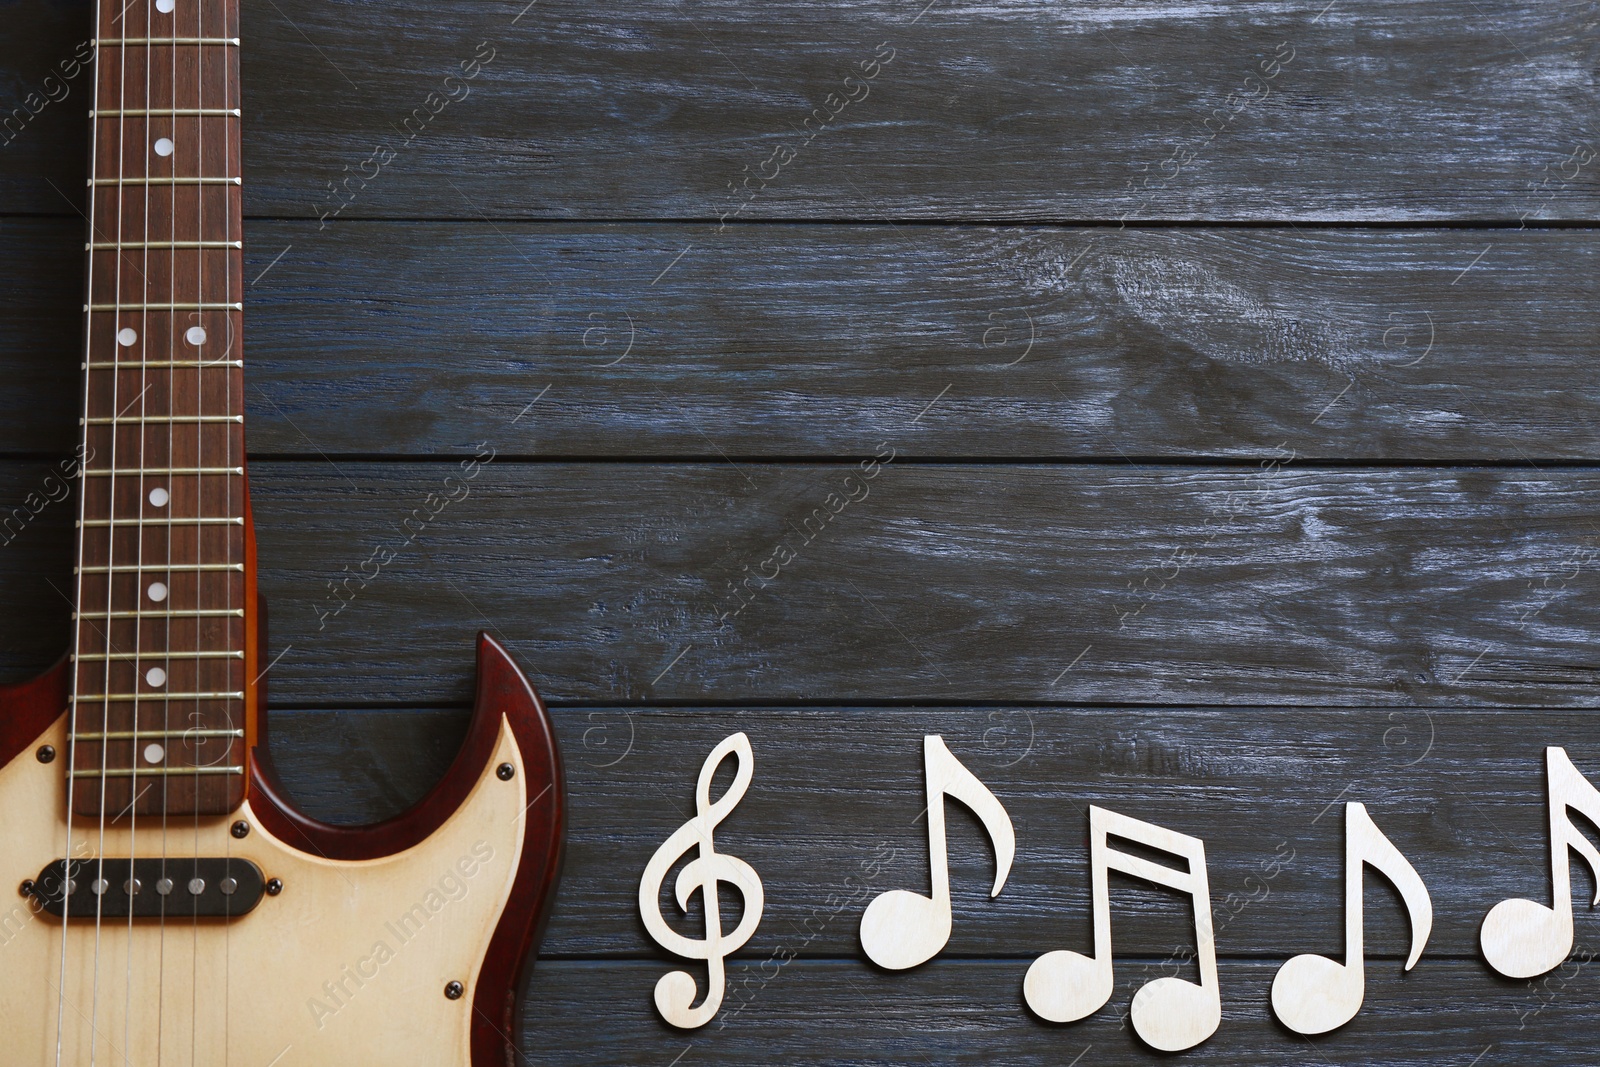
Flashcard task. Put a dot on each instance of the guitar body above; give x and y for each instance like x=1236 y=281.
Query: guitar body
x=350 y=963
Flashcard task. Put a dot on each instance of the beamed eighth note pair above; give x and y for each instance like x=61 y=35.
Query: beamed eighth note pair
x=177 y=910
x=900 y=929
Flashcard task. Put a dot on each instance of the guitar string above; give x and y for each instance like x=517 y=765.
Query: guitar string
x=146 y=148
x=83 y=534
x=199 y=534
x=230 y=62
x=172 y=504
x=111 y=540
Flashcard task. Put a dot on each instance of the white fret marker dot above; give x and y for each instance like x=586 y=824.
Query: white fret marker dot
x=164 y=147
x=196 y=336
x=166 y=6
x=159 y=498
x=154 y=753
x=156 y=677
x=126 y=337
x=158 y=592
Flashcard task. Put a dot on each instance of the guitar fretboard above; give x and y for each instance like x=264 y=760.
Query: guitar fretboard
x=159 y=712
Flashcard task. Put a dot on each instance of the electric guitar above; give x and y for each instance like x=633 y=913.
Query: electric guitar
x=167 y=905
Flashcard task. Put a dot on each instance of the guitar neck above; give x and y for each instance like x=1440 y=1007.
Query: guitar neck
x=160 y=715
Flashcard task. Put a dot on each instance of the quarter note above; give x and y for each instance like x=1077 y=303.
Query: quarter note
x=902 y=929
x=1523 y=938
x=675 y=991
x=1313 y=994
x=1169 y=1013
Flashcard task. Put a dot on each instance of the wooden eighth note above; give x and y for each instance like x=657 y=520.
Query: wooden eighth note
x=1313 y=994
x=1169 y=1013
x=901 y=929
x=1523 y=938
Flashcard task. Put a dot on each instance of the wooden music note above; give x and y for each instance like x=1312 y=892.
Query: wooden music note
x=902 y=929
x=675 y=991
x=1314 y=994
x=1170 y=1013
x=1523 y=938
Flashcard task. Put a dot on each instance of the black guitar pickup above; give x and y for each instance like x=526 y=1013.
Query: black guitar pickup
x=149 y=888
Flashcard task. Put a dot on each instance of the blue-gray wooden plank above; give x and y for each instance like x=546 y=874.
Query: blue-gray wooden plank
x=587 y=340
x=1286 y=109
x=732 y=582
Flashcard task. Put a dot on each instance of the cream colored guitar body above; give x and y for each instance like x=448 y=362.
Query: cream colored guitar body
x=348 y=965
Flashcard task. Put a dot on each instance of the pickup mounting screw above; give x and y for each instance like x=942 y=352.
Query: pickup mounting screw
x=46 y=753
x=241 y=829
x=274 y=886
x=454 y=991
x=27 y=888
x=506 y=772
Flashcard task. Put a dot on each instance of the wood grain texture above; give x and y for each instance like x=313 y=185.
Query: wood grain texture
x=816 y=340
x=41 y=333
x=1057 y=594
x=948 y=583
x=811 y=340
x=987 y=110
x=832 y=818
x=971 y=1013
x=1386 y=111
x=37 y=509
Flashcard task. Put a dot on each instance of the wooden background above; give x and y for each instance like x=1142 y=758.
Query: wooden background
x=1239 y=470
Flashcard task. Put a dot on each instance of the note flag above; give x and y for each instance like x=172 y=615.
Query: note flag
x=1523 y=938
x=1170 y=1013
x=902 y=929
x=1314 y=994
x=675 y=992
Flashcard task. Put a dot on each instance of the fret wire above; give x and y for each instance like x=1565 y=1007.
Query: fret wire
x=152 y=698
x=232 y=42
x=194 y=520
x=145 y=472
x=198 y=613
x=162 y=568
x=165 y=364
x=163 y=307
x=181 y=112
x=165 y=181
x=146 y=420
x=121 y=657
x=140 y=735
x=156 y=772
x=107 y=246
x=181 y=613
